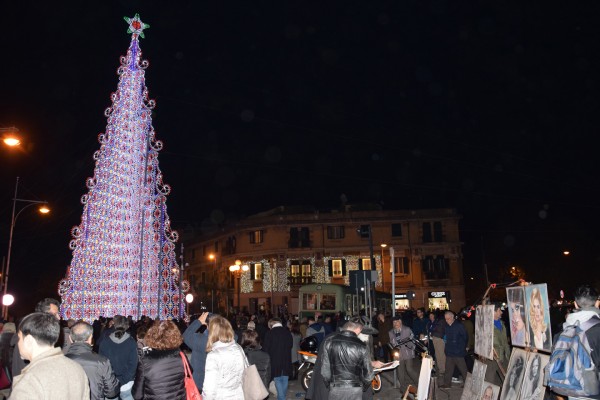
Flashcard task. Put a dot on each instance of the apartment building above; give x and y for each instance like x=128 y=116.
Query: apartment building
x=279 y=250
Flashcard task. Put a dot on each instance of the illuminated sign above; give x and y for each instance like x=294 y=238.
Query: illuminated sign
x=437 y=295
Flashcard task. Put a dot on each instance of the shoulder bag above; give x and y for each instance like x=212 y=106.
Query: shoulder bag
x=252 y=384
x=191 y=390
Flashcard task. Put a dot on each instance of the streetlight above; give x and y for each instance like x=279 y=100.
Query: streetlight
x=212 y=290
x=43 y=209
x=237 y=270
x=383 y=246
x=10 y=137
x=188 y=299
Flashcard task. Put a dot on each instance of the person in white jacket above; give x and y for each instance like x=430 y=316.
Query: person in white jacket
x=224 y=363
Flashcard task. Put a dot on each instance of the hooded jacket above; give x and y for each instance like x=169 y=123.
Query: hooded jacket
x=123 y=356
x=102 y=379
x=592 y=334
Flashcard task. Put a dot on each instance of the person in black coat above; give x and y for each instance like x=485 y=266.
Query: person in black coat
x=160 y=372
x=256 y=356
x=103 y=382
x=278 y=343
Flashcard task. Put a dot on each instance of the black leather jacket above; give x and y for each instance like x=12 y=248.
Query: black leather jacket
x=346 y=361
x=103 y=382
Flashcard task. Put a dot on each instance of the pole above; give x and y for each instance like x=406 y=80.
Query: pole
x=239 y=291
x=372 y=297
x=181 y=308
x=212 y=290
x=393 y=269
x=10 y=238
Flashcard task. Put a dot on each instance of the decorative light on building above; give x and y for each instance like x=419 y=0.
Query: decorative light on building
x=124 y=248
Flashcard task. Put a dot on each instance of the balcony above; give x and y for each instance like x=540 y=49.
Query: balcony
x=298 y=244
x=300 y=280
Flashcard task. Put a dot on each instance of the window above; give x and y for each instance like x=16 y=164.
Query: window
x=256 y=236
x=202 y=277
x=193 y=254
x=401 y=266
x=327 y=302
x=364 y=264
x=337 y=268
x=396 y=230
x=256 y=271
x=364 y=231
x=427 y=232
x=436 y=267
x=216 y=247
x=306 y=270
x=309 y=301
x=230 y=246
x=437 y=232
x=335 y=232
x=295 y=270
x=299 y=237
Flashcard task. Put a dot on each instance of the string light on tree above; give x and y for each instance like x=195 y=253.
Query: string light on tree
x=124 y=249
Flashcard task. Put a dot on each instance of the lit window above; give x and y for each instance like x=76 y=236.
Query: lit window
x=401 y=266
x=258 y=271
x=306 y=270
x=366 y=264
x=295 y=270
x=336 y=268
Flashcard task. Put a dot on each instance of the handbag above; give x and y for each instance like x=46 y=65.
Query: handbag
x=252 y=384
x=191 y=390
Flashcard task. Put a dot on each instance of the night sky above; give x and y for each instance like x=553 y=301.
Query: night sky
x=490 y=108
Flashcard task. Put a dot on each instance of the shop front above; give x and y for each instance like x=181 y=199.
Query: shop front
x=401 y=301
x=439 y=300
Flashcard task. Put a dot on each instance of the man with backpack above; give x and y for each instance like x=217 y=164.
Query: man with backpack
x=579 y=341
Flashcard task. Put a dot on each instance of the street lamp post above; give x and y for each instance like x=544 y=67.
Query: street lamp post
x=213 y=257
x=43 y=210
x=237 y=271
x=383 y=246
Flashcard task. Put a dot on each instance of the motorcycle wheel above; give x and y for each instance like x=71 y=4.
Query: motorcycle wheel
x=305 y=378
x=376 y=384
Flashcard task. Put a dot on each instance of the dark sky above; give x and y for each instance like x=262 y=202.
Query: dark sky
x=490 y=108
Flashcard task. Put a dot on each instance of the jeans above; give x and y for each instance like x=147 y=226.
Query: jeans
x=281 y=383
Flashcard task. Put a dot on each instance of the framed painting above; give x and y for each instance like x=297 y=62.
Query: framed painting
x=537 y=310
x=514 y=375
x=484 y=331
x=515 y=297
x=533 y=388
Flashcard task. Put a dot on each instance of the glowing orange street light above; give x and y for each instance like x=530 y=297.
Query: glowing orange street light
x=11 y=138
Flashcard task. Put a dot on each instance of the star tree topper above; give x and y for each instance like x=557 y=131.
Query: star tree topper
x=136 y=26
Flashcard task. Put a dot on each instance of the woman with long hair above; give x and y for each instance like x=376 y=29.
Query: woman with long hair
x=121 y=349
x=539 y=331
x=160 y=373
x=225 y=363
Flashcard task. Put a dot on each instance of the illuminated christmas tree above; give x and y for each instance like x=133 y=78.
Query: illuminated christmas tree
x=124 y=249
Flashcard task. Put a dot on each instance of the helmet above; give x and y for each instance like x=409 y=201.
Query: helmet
x=310 y=344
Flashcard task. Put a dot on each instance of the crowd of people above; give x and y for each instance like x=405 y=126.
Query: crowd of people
x=126 y=359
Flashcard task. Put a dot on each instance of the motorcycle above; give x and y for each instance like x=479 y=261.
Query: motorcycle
x=306 y=369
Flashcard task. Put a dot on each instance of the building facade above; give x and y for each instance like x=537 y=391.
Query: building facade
x=282 y=249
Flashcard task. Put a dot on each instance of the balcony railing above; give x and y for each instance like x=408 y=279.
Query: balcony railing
x=300 y=280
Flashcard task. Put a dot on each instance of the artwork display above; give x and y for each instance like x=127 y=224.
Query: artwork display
x=489 y=391
x=533 y=388
x=466 y=393
x=537 y=313
x=484 y=331
x=514 y=375
x=516 y=313
x=478 y=377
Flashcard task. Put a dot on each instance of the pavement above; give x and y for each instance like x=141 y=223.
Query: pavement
x=387 y=392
